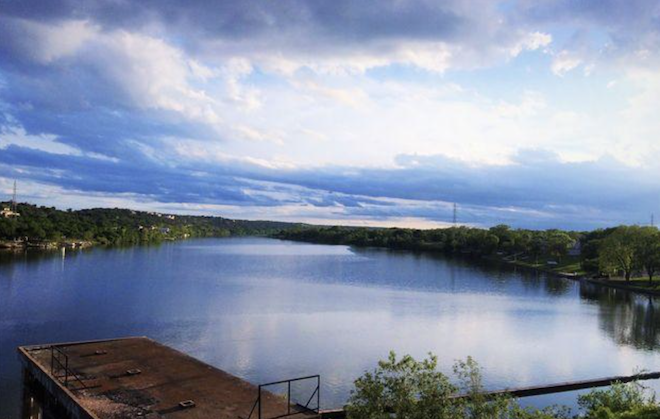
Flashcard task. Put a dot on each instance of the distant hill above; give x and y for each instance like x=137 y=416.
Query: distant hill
x=123 y=226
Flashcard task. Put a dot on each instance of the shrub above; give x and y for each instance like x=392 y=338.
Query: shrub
x=409 y=389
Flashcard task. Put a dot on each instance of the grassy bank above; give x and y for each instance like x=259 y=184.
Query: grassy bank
x=568 y=266
x=571 y=267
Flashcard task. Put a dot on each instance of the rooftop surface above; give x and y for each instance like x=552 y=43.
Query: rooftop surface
x=138 y=377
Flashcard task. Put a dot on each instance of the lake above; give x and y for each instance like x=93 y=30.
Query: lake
x=265 y=310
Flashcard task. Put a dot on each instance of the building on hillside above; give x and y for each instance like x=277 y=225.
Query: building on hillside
x=8 y=213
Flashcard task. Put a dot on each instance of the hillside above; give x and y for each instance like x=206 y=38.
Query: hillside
x=122 y=226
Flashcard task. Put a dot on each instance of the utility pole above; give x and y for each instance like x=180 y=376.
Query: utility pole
x=455 y=219
x=652 y=220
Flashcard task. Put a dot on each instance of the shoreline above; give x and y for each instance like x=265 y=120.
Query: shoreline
x=621 y=285
x=22 y=245
x=17 y=246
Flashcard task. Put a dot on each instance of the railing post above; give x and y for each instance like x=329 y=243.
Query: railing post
x=66 y=371
x=317 y=393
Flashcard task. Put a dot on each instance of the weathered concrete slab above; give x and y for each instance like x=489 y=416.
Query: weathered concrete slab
x=166 y=377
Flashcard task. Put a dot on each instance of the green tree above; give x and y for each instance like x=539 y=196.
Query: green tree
x=618 y=251
x=409 y=389
x=537 y=246
x=7 y=228
x=621 y=401
x=648 y=250
x=558 y=242
x=405 y=387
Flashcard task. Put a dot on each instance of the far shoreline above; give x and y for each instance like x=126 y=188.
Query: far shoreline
x=16 y=246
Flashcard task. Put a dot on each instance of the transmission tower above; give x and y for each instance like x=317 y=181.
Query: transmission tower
x=652 y=220
x=13 y=198
x=455 y=219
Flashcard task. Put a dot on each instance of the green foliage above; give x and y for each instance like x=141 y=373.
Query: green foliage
x=620 y=250
x=123 y=226
x=409 y=389
x=557 y=243
x=457 y=240
x=646 y=412
x=626 y=249
x=619 y=401
x=648 y=251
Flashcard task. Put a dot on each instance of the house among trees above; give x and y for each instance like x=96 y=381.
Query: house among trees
x=8 y=213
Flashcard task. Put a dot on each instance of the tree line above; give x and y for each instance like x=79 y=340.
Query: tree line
x=628 y=251
x=122 y=226
x=625 y=250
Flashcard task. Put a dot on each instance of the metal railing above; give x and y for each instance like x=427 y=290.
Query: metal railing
x=300 y=408
x=59 y=362
x=533 y=390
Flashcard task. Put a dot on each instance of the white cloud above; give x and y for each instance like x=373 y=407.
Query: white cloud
x=48 y=43
x=16 y=135
x=531 y=103
x=433 y=56
x=363 y=121
x=531 y=42
x=636 y=127
x=353 y=97
x=565 y=61
x=147 y=71
x=208 y=152
x=154 y=74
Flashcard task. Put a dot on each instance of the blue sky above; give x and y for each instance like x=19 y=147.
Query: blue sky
x=537 y=114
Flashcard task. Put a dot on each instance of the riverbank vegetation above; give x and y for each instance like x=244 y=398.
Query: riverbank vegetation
x=628 y=253
x=625 y=251
x=45 y=226
x=408 y=389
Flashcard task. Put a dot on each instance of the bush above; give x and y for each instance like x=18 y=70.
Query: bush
x=409 y=389
x=618 y=402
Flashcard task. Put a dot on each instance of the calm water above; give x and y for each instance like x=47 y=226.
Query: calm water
x=266 y=310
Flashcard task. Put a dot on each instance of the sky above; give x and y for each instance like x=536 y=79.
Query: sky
x=533 y=113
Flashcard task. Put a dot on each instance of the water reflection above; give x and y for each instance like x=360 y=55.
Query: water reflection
x=630 y=319
x=33 y=400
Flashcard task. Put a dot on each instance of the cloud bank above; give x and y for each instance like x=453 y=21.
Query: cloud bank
x=537 y=114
